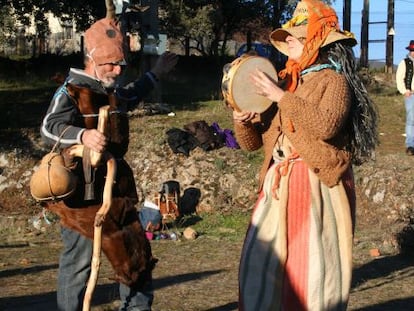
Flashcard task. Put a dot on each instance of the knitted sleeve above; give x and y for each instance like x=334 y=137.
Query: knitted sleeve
x=248 y=136
x=320 y=107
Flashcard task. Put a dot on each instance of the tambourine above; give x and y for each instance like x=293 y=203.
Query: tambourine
x=237 y=88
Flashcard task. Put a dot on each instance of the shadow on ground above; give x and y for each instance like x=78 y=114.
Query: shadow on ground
x=392 y=305
x=103 y=294
x=381 y=268
x=381 y=274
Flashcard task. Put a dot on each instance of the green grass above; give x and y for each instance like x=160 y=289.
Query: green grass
x=18 y=100
x=25 y=84
x=23 y=101
x=229 y=226
x=391 y=109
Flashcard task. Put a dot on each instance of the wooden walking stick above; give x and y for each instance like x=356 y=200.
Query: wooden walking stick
x=97 y=236
x=100 y=215
x=95 y=159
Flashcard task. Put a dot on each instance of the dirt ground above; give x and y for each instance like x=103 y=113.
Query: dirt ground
x=190 y=275
x=201 y=275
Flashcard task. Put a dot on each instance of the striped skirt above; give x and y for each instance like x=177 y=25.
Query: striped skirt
x=297 y=254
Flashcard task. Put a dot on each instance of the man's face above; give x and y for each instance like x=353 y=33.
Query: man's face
x=108 y=74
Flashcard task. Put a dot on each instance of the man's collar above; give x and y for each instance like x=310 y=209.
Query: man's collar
x=81 y=78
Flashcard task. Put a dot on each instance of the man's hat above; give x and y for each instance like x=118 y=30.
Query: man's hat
x=105 y=42
x=410 y=47
x=311 y=18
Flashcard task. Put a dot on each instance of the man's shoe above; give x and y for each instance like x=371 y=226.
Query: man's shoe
x=410 y=150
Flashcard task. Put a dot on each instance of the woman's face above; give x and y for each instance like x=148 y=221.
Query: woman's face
x=295 y=47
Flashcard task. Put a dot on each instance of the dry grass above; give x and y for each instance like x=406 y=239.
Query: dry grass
x=191 y=275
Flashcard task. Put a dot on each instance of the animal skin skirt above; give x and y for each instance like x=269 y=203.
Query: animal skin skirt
x=297 y=254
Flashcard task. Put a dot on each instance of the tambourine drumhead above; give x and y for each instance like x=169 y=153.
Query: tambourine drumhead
x=237 y=86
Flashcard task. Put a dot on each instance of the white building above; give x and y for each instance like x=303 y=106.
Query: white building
x=62 y=40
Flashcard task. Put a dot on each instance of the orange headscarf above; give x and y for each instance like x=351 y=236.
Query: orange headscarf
x=321 y=21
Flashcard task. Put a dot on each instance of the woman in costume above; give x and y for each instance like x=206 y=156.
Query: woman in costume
x=297 y=253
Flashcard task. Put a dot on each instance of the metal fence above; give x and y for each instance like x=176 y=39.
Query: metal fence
x=59 y=43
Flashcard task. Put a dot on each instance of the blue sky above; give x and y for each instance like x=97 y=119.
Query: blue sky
x=403 y=25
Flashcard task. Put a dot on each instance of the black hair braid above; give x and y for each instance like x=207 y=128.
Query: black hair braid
x=363 y=112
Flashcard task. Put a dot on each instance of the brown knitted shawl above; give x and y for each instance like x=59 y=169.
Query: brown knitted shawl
x=319 y=110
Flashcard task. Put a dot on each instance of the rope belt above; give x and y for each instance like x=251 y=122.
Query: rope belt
x=95 y=115
x=281 y=169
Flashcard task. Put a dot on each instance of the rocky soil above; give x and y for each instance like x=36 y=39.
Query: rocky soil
x=202 y=274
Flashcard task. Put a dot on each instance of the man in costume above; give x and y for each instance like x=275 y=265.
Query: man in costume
x=72 y=119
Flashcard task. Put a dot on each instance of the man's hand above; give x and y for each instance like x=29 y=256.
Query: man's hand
x=165 y=63
x=94 y=140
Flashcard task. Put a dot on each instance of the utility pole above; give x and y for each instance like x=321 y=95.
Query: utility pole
x=347 y=15
x=389 y=60
x=150 y=34
x=364 y=35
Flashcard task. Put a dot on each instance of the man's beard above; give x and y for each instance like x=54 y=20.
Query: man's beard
x=109 y=82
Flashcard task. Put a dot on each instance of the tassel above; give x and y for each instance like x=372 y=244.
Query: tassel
x=290 y=126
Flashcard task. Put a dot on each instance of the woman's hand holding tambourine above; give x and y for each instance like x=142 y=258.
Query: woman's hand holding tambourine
x=265 y=86
x=238 y=93
x=243 y=116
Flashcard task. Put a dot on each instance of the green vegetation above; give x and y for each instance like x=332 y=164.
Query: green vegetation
x=230 y=226
x=23 y=101
x=25 y=84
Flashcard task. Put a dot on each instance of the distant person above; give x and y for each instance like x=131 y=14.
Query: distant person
x=297 y=254
x=72 y=119
x=405 y=85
